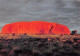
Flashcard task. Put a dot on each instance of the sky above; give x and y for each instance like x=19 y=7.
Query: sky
x=65 y=12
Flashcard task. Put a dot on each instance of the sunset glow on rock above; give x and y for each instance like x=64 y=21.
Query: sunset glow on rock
x=35 y=27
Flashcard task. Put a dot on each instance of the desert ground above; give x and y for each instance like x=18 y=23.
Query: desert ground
x=39 y=45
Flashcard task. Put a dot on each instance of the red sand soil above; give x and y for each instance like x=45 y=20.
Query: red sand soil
x=35 y=27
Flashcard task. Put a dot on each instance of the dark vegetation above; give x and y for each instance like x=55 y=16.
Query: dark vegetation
x=39 y=45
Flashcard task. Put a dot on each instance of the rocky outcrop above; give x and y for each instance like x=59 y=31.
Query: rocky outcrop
x=35 y=27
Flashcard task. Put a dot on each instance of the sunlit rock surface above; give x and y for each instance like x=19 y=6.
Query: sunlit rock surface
x=35 y=27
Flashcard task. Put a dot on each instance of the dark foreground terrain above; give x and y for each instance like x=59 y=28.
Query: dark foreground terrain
x=39 y=45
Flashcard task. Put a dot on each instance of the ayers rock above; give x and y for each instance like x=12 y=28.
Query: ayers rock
x=35 y=27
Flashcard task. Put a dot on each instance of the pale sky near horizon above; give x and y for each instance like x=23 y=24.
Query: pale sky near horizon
x=65 y=12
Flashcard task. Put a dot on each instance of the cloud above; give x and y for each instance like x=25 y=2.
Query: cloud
x=66 y=12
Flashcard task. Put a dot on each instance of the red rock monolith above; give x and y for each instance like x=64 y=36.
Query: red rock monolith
x=35 y=27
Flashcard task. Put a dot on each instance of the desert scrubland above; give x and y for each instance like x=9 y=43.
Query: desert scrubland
x=39 y=45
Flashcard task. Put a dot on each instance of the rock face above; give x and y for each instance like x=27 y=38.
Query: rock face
x=35 y=27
